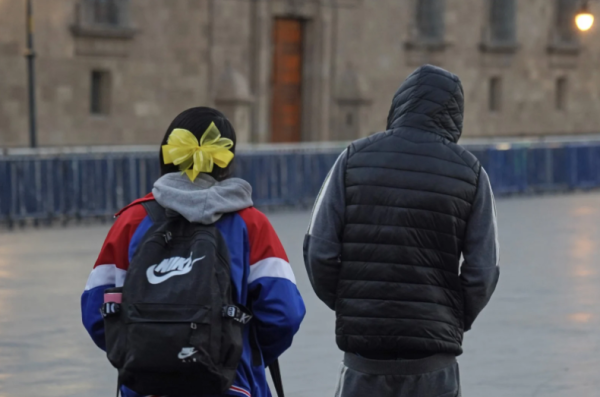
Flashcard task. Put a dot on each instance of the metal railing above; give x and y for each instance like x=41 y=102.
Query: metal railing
x=50 y=185
x=74 y=184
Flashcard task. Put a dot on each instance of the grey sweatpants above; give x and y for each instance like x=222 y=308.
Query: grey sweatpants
x=435 y=376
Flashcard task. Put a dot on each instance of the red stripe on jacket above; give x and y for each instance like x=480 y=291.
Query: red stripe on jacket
x=115 y=250
x=264 y=242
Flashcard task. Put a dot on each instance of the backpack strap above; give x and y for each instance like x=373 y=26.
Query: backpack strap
x=257 y=360
x=276 y=375
x=255 y=349
x=237 y=313
x=155 y=211
x=119 y=384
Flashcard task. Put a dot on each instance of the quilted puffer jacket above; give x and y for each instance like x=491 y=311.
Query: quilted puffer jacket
x=408 y=197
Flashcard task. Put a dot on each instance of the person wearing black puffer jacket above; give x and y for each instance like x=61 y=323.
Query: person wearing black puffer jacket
x=383 y=250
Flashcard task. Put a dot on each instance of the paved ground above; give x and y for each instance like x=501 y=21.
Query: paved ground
x=539 y=336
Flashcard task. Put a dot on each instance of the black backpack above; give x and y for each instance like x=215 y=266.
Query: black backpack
x=177 y=330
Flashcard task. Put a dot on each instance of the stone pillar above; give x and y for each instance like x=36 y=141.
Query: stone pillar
x=233 y=98
x=353 y=105
x=317 y=79
x=261 y=55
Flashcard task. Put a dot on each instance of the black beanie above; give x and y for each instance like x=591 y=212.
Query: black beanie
x=197 y=120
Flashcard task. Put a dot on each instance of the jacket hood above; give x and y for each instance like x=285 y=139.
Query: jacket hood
x=205 y=200
x=431 y=99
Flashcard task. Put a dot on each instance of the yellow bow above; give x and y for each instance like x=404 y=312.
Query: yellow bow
x=183 y=149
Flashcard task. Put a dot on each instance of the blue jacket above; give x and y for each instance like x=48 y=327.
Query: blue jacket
x=259 y=270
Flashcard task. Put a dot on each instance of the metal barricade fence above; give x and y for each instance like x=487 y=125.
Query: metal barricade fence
x=75 y=186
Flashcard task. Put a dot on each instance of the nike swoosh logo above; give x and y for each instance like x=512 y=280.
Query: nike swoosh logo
x=184 y=355
x=154 y=278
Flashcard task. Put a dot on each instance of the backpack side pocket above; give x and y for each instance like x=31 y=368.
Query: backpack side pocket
x=114 y=327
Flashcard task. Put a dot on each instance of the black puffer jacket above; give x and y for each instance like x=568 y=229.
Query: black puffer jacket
x=409 y=193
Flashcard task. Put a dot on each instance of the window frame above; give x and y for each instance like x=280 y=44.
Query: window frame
x=100 y=92
x=493 y=44
x=558 y=42
x=495 y=88
x=430 y=23
x=108 y=13
x=420 y=41
x=561 y=93
x=87 y=23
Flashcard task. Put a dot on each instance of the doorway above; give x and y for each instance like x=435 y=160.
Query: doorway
x=286 y=81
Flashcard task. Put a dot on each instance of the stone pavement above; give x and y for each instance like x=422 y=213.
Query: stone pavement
x=538 y=337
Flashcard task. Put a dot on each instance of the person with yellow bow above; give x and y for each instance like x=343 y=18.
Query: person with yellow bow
x=197 y=187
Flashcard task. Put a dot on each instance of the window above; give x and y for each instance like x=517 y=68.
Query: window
x=349 y=119
x=566 y=30
x=430 y=20
x=106 y=12
x=103 y=18
x=561 y=93
x=503 y=15
x=495 y=99
x=100 y=92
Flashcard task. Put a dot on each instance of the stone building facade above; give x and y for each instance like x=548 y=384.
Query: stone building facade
x=118 y=71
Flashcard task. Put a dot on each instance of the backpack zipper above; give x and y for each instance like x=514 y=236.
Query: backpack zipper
x=168 y=238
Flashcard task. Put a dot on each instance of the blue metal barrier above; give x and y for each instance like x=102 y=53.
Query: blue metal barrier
x=75 y=186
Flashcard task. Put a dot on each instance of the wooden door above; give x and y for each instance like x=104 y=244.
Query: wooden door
x=286 y=84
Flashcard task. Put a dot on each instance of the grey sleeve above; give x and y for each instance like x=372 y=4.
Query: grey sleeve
x=479 y=271
x=322 y=244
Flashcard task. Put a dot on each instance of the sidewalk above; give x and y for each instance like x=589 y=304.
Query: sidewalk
x=540 y=336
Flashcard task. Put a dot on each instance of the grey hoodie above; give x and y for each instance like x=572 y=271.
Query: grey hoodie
x=205 y=200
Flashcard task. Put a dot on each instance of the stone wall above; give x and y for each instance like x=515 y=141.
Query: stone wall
x=374 y=40
x=162 y=69
x=357 y=52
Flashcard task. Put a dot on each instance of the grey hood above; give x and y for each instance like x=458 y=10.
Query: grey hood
x=205 y=200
